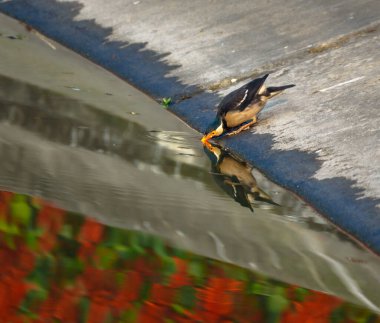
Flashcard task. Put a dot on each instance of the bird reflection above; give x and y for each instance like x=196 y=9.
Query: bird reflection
x=235 y=177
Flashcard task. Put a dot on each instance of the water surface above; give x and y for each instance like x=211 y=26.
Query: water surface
x=67 y=267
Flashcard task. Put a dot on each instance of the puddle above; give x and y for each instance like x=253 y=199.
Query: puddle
x=68 y=267
x=166 y=206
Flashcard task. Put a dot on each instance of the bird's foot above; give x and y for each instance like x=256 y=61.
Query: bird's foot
x=243 y=127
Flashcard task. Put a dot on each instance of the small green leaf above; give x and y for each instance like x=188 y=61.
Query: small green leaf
x=166 y=102
x=20 y=210
x=9 y=228
x=168 y=266
x=107 y=257
x=84 y=307
x=178 y=308
x=301 y=293
x=130 y=315
x=277 y=302
x=159 y=247
x=135 y=244
x=187 y=297
x=197 y=270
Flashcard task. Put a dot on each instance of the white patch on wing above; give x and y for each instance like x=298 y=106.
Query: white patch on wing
x=219 y=130
x=245 y=95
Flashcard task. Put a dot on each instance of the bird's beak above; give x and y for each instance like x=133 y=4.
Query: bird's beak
x=207 y=137
x=207 y=145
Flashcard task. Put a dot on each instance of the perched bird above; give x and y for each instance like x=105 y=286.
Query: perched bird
x=240 y=107
x=235 y=177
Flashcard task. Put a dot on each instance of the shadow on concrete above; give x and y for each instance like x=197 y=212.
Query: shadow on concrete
x=337 y=198
x=133 y=62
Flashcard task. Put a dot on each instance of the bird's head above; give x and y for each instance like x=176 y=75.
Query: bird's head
x=215 y=129
x=212 y=151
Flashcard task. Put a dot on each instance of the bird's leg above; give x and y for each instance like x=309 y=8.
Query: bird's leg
x=243 y=127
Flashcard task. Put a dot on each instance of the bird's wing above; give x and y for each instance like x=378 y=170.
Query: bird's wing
x=242 y=97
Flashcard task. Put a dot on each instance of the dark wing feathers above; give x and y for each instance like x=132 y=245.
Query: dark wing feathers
x=242 y=97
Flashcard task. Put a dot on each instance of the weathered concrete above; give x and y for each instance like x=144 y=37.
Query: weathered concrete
x=320 y=139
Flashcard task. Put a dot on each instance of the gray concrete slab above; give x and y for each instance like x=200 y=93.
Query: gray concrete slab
x=319 y=139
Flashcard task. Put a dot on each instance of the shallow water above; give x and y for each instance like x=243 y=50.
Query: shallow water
x=135 y=193
x=200 y=202
x=67 y=267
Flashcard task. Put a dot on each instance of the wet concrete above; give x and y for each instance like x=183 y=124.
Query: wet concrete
x=319 y=139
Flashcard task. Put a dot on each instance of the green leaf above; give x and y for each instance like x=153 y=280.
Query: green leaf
x=9 y=228
x=42 y=271
x=168 y=266
x=20 y=210
x=166 y=102
x=236 y=273
x=67 y=232
x=10 y=241
x=196 y=270
x=33 y=298
x=178 y=308
x=70 y=268
x=144 y=291
x=107 y=256
x=301 y=293
x=277 y=302
x=159 y=247
x=187 y=297
x=31 y=239
x=134 y=243
x=130 y=315
x=84 y=307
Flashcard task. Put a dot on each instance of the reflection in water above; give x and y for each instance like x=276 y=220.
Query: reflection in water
x=70 y=122
x=128 y=175
x=235 y=177
x=70 y=268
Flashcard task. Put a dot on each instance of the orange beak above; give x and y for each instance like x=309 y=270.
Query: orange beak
x=208 y=145
x=207 y=137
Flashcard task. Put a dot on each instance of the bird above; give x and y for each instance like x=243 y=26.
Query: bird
x=235 y=177
x=238 y=109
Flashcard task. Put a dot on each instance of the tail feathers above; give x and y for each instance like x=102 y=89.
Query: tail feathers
x=259 y=195
x=274 y=90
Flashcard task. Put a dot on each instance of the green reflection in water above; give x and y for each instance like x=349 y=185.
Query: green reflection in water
x=58 y=266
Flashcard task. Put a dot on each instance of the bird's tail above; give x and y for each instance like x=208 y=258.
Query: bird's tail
x=274 y=90
x=260 y=196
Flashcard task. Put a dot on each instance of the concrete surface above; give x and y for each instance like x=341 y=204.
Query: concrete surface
x=320 y=139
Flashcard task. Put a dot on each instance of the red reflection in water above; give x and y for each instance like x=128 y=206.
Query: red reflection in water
x=58 y=266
